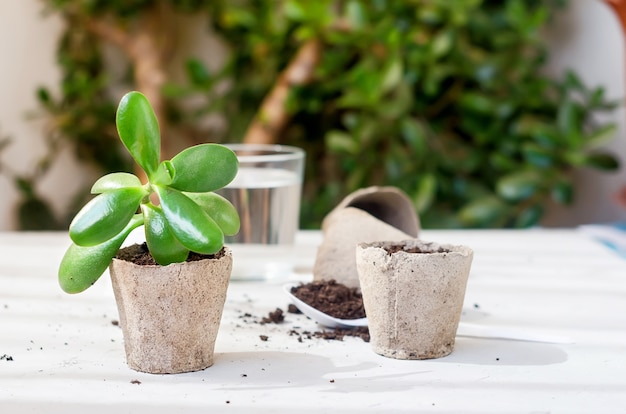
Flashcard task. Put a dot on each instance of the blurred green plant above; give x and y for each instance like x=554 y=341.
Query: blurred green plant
x=444 y=99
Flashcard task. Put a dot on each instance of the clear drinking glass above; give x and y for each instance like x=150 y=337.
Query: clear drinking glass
x=266 y=192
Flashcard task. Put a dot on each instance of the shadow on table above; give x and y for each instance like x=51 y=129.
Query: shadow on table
x=477 y=351
x=272 y=370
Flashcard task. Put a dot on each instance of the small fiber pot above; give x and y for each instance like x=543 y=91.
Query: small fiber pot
x=366 y=215
x=413 y=294
x=170 y=315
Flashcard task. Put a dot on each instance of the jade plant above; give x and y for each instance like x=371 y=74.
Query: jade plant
x=177 y=206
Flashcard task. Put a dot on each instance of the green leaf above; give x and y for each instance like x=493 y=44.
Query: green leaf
x=294 y=10
x=477 y=102
x=569 y=120
x=414 y=134
x=115 y=181
x=601 y=136
x=442 y=43
x=138 y=128
x=164 y=174
x=425 y=195
x=356 y=15
x=529 y=216
x=572 y=81
x=392 y=76
x=162 y=243
x=341 y=142
x=519 y=185
x=596 y=98
x=105 y=216
x=81 y=266
x=219 y=209
x=501 y=162
x=484 y=212
x=537 y=155
x=563 y=192
x=602 y=161
x=198 y=73
x=191 y=225
x=203 y=168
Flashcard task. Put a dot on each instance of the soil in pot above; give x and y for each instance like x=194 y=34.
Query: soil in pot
x=140 y=255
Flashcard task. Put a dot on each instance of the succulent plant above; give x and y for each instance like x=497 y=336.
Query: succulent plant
x=177 y=205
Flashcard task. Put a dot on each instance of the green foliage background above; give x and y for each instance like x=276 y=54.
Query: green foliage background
x=443 y=98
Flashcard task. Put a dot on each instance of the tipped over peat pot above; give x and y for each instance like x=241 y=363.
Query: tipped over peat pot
x=366 y=215
x=413 y=294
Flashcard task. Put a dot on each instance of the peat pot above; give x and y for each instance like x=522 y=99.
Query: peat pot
x=366 y=215
x=413 y=294
x=170 y=315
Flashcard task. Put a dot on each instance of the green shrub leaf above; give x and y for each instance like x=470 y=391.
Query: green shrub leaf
x=563 y=192
x=529 y=216
x=602 y=161
x=484 y=212
x=425 y=194
x=341 y=142
x=537 y=155
x=519 y=185
x=601 y=136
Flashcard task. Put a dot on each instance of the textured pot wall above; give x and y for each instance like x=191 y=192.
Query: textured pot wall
x=413 y=301
x=170 y=315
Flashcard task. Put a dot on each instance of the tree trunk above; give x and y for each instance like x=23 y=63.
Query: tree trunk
x=272 y=116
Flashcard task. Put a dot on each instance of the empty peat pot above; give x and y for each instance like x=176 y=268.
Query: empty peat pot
x=170 y=315
x=366 y=215
x=413 y=294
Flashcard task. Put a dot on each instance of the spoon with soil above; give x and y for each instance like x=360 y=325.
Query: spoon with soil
x=324 y=295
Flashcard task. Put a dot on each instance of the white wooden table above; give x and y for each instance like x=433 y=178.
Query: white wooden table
x=63 y=353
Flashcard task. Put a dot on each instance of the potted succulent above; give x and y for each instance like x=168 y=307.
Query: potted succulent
x=170 y=308
x=413 y=294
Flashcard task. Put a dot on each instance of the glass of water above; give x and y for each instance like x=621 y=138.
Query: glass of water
x=266 y=193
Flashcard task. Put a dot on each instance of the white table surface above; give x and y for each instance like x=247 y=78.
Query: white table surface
x=67 y=355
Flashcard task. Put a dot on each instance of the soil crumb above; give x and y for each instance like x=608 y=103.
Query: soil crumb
x=274 y=317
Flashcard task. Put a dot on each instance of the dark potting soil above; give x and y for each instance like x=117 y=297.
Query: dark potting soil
x=402 y=248
x=140 y=255
x=332 y=298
